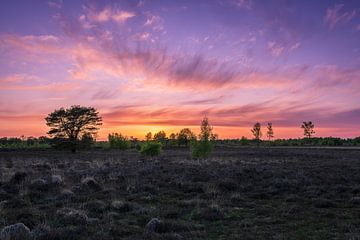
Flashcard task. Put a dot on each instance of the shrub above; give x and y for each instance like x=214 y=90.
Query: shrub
x=201 y=149
x=150 y=149
x=118 y=141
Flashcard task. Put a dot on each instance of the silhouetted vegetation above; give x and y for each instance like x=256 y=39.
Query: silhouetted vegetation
x=24 y=142
x=314 y=141
x=67 y=126
x=148 y=136
x=270 y=131
x=160 y=137
x=185 y=136
x=308 y=129
x=256 y=131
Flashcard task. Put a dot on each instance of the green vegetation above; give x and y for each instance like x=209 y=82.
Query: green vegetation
x=150 y=149
x=204 y=146
x=314 y=141
x=23 y=143
x=118 y=141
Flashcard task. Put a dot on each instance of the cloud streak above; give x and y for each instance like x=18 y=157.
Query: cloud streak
x=335 y=16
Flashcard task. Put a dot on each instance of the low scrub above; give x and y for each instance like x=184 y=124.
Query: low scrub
x=150 y=149
x=201 y=149
x=118 y=141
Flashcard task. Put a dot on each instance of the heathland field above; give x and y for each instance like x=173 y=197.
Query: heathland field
x=237 y=193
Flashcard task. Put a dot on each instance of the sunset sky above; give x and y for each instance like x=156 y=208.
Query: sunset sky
x=150 y=65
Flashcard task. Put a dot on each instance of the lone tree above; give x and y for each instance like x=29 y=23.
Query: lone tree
x=204 y=146
x=256 y=131
x=308 y=129
x=270 y=131
x=73 y=123
x=185 y=136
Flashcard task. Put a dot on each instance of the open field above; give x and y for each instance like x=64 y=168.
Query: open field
x=238 y=193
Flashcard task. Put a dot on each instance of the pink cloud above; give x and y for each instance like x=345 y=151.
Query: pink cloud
x=334 y=16
x=107 y=14
x=275 y=49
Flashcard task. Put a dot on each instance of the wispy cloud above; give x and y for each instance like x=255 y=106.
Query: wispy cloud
x=275 y=48
x=106 y=14
x=243 y=3
x=335 y=16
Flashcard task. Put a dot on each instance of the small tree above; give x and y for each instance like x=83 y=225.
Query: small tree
x=270 y=131
x=256 y=131
x=160 y=137
x=118 y=141
x=308 y=129
x=72 y=123
x=148 y=136
x=204 y=146
x=185 y=136
x=172 y=138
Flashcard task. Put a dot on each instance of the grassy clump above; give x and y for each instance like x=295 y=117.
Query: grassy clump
x=201 y=149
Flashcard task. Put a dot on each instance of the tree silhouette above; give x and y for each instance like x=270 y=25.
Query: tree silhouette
x=160 y=136
x=206 y=133
x=270 y=131
x=148 y=136
x=185 y=136
x=308 y=129
x=72 y=123
x=256 y=131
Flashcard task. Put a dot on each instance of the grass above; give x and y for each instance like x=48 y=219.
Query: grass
x=238 y=193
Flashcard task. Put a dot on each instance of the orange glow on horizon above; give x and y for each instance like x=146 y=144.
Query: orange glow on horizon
x=35 y=126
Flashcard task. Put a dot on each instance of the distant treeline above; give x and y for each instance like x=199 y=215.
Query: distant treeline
x=45 y=142
x=314 y=141
x=76 y=128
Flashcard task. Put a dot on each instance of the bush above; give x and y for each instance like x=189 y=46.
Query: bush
x=150 y=149
x=201 y=149
x=118 y=141
x=86 y=142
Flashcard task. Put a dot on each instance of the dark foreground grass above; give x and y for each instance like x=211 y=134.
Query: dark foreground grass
x=238 y=193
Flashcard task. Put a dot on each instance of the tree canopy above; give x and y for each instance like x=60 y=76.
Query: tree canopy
x=308 y=129
x=72 y=123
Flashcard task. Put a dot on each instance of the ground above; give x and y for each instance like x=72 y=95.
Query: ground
x=238 y=193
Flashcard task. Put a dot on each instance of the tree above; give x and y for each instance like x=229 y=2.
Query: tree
x=172 y=138
x=204 y=146
x=148 y=136
x=185 y=136
x=160 y=137
x=206 y=133
x=72 y=123
x=270 y=131
x=256 y=131
x=308 y=129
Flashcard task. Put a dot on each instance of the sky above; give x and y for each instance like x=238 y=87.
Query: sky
x=150 y=65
